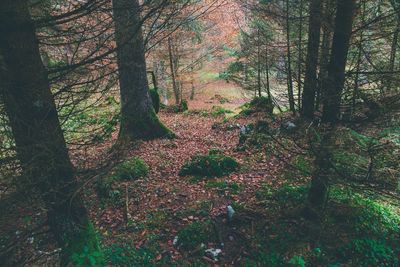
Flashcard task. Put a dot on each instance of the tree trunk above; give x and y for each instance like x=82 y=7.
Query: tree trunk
x=317 y=194
x=173 y=78
x=310 y=80
x=39 y=140
x=138 y=118
x=289 y=62
x=393 y=49
x=358 y=63
x=319 y=181
x=299 y=60
x=163 y=82
x=258 y=64
x=267 y=72
x=337 y=64
x=327 y=29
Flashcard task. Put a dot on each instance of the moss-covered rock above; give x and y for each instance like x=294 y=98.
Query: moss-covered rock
x=213 y=164
x=130 y=169
x=258 y=104
x=195 y=234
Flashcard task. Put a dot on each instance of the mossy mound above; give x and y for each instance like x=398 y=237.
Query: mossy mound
x=130 y=169
x=211 y=165
x=258 y=104
x=155 y=98
x=194 y=234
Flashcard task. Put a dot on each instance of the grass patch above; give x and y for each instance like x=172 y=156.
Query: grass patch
x=224 y=186
x=217 y=111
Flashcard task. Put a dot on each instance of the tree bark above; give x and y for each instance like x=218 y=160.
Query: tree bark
x=39 y=140
x=310 y=80
x=173 y=76
x=327 y=29
x=289 y=62
x=138 y=118
x=337 y=64
x=299 y=60
x=258 y=64
x=317 y=195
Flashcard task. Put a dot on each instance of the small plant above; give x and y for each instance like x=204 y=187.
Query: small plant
x=213 y=164
x=194 y=234
x=129 y=255
x=370 y=252
x=84 y=248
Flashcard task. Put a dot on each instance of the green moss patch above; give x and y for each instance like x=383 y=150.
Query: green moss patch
x=211 y=165
x=83 y=249
x=194 y=234
x=131 y=169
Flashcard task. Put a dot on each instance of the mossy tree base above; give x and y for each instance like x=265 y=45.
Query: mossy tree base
x=144 y=127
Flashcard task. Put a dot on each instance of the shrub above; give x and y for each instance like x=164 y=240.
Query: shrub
x=213 y=164
x=155 y=99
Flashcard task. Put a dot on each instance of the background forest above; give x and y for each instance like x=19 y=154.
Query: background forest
x=199 y=133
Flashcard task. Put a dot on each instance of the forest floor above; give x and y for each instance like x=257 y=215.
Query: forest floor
x=164 y=202
x=165 y=219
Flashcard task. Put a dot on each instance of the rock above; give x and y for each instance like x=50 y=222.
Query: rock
x=213 y=253
x=230 y=212
x=289 y=126
x=175 y=242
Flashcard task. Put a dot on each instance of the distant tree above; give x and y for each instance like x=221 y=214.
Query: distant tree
x=310 y=81
x=39 y=140
x=138 y=118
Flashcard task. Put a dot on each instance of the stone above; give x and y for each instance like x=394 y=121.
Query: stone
x=213 y=253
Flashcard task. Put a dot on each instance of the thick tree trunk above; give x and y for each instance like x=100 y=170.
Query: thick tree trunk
x=337 y=64
x=393 y=49
x=358 y=63
x=39 y=140
x=138 y=118
x=319 y=183
x=310 y=81
x=327 y=29
x=317 y=195
x=289 y=62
